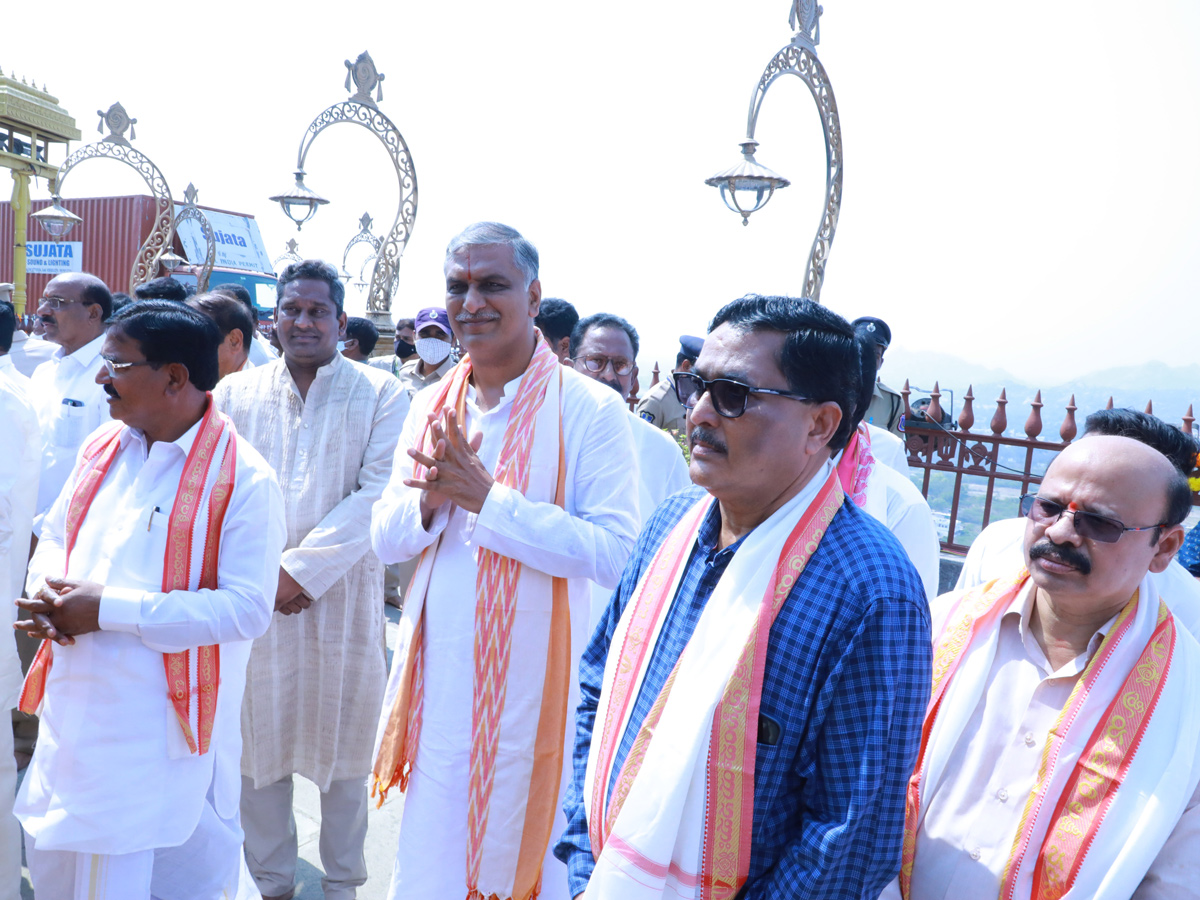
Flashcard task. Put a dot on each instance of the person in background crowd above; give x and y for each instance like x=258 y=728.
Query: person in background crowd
x=887 y=406
x=29 y=351
x=752 y=697
x=1189 y=553
x=997 y=550
x=1060 y=754
x=660 y=407
x=556 y=320
x=133 y=787
x=605 y=347
x=261 y=351
x=512 y=482
x=20 y=449
x=236 y=326
x=120 y=301
x=70 y=404
x=165 y=288
x=403 y=347
x=329 y=428
x=361 y=338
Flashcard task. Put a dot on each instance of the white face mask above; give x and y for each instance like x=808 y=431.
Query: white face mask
x=341 y=346
x=432 y=350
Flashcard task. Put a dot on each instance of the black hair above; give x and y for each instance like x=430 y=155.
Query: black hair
x=8 y=325
x=602 y=320
x=166 y=288
x=237 y=292
x=119 y=301
x=171 y=332
x=405 y=323
x=363 y=331
x=820 y=357
x=556 y=319
x=313 y=270
x=227 y=312
x=1177 y=446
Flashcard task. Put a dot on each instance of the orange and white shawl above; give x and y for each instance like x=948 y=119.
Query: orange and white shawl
x=1119 y=764
x=502 y=862
x=679 y=818
x=192 y=677
x=855 y=466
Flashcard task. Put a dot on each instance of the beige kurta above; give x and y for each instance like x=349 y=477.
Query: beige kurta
x=316 y=679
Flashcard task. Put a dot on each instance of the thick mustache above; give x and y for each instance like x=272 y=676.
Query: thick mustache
x=111 y=391
x=702 y=435
x=1063 y=553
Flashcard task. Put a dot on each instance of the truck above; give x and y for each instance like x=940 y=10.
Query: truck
x=106 y=244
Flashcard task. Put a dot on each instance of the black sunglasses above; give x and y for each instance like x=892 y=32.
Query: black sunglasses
x=728 y=397
x=1087 y=525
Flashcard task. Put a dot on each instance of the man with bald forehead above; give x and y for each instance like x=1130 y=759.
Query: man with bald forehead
x=1061 y=750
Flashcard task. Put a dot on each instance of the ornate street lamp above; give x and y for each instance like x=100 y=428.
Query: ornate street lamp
x=116 y=146
x=748 y=186
x=300 y=203
x=191 y=212
x=56 y=220
x=291 y=255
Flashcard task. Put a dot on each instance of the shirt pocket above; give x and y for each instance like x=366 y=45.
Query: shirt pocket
x=70 y=425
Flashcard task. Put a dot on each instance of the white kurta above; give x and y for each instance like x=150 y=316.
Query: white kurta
x=662 y=471
x=103 y=778
x=316 y=678
x=28 y=352
x=70 y=406
x=589 y=540
x=20 y=451
x=998 y=552
x=888 y=449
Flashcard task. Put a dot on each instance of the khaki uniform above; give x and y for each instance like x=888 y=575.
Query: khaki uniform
x=661 y=408
x=885 y=410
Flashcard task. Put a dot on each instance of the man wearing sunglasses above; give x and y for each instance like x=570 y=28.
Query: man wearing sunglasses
x=604 y=347
x=661 y=407
x=752 y=696
x=1061 y=748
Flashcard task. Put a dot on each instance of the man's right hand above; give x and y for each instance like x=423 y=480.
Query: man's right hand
x=289 y=596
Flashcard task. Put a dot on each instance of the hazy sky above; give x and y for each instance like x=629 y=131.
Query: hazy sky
x=1020 y=180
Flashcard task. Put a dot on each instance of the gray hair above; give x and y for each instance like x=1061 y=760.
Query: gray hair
x=525 y=255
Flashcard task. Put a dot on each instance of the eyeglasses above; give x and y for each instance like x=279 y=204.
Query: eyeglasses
x=114 y=368
x=620 y=365
x=59 y=302
x=728 y=397
x=1092 y=526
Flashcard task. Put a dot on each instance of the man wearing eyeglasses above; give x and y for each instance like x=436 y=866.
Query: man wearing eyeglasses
x=661 y=407
x=70 y=404
x=155 y=571
x=605 y=347
x=752 y=697
x=1061 y=748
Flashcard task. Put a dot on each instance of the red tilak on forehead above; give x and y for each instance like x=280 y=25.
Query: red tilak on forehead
x=1072 y=506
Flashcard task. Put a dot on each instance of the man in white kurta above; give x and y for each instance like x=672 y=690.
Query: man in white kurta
x=329 y=428
x=1062 y=748
x=20 y=446
x=492 y=297
x=115 y=804
x=604 y=348
x=70 y=404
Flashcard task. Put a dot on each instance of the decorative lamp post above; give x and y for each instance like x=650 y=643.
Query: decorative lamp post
x=116 y=146
x=31 y=122
x=291 y=255
x=748 y=186
x=57 y=221
x=191 y=212
x=300 y=203
x=171 y=261
x=364 y=236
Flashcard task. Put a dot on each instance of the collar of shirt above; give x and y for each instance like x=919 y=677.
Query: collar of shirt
x=6 y=363
x=181 y=445
x=506 y=398
x=1019 y=614
x=326 y=371
x=84 y=356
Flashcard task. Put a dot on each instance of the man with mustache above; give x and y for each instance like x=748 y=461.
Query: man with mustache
x=64 y=389
x=1060 y=753
x=752 y=697
x=605 y=347
x=513 y=483
x=155 y=571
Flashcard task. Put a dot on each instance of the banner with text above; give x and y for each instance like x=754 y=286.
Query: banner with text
x=53 y=257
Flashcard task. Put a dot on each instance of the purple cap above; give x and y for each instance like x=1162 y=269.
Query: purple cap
x=433 y=315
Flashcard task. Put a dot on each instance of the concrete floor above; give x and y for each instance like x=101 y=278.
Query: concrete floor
x=383 y=829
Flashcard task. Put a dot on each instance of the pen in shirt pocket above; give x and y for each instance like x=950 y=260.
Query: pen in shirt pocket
x=152 y=512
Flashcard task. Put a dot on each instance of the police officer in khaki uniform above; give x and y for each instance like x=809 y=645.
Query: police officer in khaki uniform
x=887 y=406
x=660 y=407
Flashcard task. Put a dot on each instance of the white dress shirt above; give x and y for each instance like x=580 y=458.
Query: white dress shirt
x=260 y=351
x=20 y=450
x=107 y=775
x=973 y=815
x=888 y=449
x=70 y=406
x=29 y=352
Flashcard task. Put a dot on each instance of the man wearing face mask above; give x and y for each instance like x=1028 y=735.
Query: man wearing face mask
x=433 y=345
x=403 y=348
